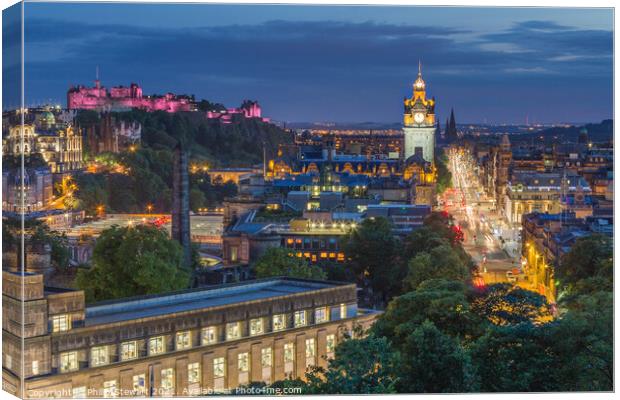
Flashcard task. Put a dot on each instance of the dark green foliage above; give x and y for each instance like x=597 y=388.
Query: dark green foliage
x=360 y=366
x=444 y=176
x=433 y=362
x=373 y=256
x=277 y=262
x=133 y=261
x=590 y=257
x=442 y=302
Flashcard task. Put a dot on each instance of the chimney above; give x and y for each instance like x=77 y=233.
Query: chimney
x=180 y=203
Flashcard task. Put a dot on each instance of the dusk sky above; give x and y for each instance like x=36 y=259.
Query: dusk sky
x=330 y=63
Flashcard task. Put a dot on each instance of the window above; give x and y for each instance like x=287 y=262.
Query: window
x=256 y=326
x=265 y=357
x=35 y=367
x=208 y=335
x=8 y=361
x=184 y=340
x=156 y=345
x=79 y=392
x=289 y=352
x=61 y=323
x=139 y=385
x=244 y=362
x=219 y=367
x=320 y=315
x=343 y=311
x=167 y=379
x=300 y=318
x=99 y=356
x=128 y=351
x=278 y=322
x=330 y=344
x=68 y=361
x=193 y=373
x=109 y=389
x=232 y=331
x=310 y=351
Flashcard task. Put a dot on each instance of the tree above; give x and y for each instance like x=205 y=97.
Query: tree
x=360 y=366
x=582 y=341
x=278 y=262
x=131 y=261
x=505 y=304
x=589 y=257
x=440 y=262
x=442 y=302
x=514 y=358
x=433 y=362
x=372 y=254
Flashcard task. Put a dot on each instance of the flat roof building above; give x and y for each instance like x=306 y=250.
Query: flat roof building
x=191 y=342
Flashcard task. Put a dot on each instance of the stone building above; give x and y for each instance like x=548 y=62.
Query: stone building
x=60 y=147
x=191 y=342
x=36 y=190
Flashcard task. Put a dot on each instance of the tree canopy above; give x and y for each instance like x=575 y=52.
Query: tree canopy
x=278 y=262
x=132 y=261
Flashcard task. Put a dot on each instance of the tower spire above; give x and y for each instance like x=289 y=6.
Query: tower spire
x=419 y=67
x=97 y=83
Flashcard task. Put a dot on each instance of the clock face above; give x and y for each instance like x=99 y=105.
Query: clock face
x=418 y=117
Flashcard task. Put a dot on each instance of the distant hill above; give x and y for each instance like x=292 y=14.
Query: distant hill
x=601 y=132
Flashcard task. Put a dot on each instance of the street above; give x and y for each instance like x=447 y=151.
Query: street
x=474 y=212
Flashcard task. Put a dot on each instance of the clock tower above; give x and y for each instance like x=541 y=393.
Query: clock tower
x=419 y=122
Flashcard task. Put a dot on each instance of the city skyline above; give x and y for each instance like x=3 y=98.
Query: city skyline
x=331 y=63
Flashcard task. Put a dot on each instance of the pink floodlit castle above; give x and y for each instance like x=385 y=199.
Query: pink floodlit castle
x=248 y=109
x=120 y=97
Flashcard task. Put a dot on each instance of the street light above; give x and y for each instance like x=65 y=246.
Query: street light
x=149 y=208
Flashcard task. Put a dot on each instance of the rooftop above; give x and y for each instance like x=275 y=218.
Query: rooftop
x=197 y=299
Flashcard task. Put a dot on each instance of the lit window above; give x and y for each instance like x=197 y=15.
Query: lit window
x=256 y=326
x=35 y=367
x=310 y=351
x=193 y=373
x=61 y=323
x=232 y=331
x=128 y=351
x=300 y=318
x=219 y=368
x=289 y=352
x=156 y=345
x=320 y=315
x=265 y=357
x=78 y=392
x=99 y=356
x=139 y=385
x=208 y=335
x=68 y=361
x=167 y=379
x=183 y=340
x=109 y=389
x=244 y=362
x=343 y=311
x=278 y=322
x=330 y=344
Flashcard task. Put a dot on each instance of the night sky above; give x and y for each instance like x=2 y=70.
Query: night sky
x=328 y=63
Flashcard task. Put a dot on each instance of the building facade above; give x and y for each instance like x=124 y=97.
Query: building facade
x=419 y=124
x=61 y=147
x=186 y=343
x=549 y=192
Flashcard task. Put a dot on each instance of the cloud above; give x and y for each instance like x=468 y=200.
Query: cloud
x=312 y=68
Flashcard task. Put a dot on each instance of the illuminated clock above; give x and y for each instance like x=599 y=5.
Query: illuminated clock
x=418 y=117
